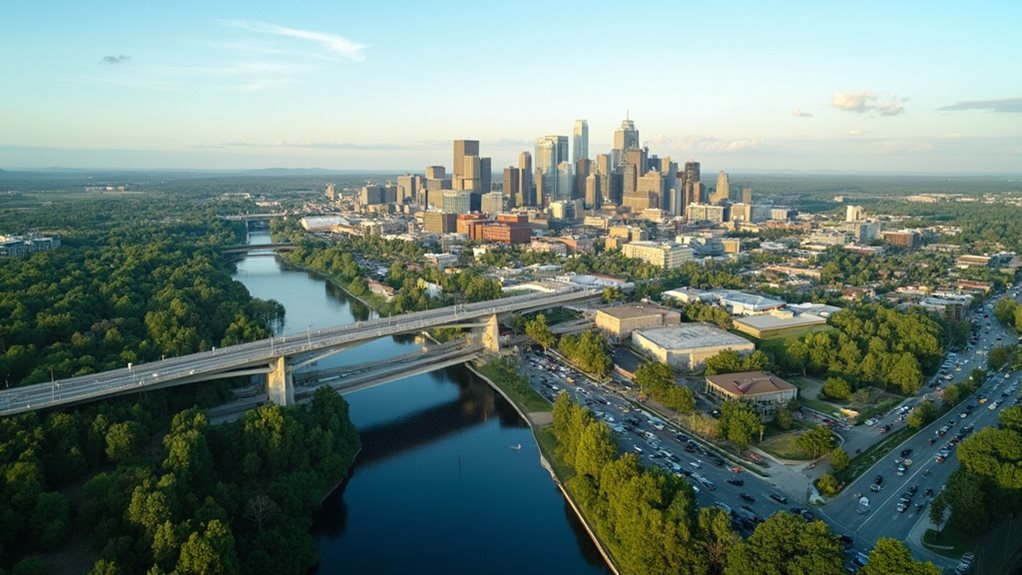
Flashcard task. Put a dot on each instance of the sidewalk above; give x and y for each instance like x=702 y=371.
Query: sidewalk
x=915 y=542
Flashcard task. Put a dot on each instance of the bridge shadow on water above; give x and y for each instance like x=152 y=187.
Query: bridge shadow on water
x=476 y=404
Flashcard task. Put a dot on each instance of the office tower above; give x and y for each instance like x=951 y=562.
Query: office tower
x=492 y=203
x=675 y=202
x=512 y=186
x=370 y=195
x=485 y=175
x=551 y=151
x=626 y=137
x=652 y=183
x=331 y=192
x=457 y=201
x=583 y=167
x=594 y=192
x=747 y=195
x=526 y=195
x=634 y=158
x=407 y=187
x=854 y=213
x=564 y=181
x=463 y=148
x=580 y=141
x=615 y=187
x=691 y=171
x=469 y=178
x=435 y=173
x=542 y=192
x=629 y=179
x=723 y=191
x=603 y=164
x=669 y=170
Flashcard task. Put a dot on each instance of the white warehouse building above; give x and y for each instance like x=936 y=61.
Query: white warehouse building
x=687 y=346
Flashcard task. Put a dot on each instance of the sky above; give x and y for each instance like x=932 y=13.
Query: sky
x=906 y=86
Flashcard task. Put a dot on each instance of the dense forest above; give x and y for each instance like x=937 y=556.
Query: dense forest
x=146 y=478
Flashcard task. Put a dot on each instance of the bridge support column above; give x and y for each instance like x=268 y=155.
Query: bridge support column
x=280 y=386
x=491 y=334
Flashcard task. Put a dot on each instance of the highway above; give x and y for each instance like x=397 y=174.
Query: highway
x=254 y=357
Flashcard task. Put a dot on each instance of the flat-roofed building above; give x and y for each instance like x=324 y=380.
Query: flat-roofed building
x=662 y=255
x=764 y=390
x=688 y=345
x=620 y=321
x=439 y=222
x=776 y=324
x=741 y=303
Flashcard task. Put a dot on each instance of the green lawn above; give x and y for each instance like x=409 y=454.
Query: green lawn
x=948 y=543
x=548 y=445
x=775 y=344
x=785 y=446
x=524 y=396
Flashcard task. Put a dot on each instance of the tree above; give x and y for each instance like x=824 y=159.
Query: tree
x=730 y=361
x=938 y=511
x=49 y=521
x=739 y=422
x=209 y=551
x=891 y=557
x=837 y=388
x=828 y=484
x=540 y=332
x=906 y=374
x=921 y=415
x=123 y=440
x=596 y=448
x=999 y=356
x=817 y=440
x=785 y=544
x=783 y=418
x=839 y=459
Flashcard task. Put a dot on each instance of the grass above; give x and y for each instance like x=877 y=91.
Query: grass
x=949 y=542
x=775 y=345
x=860 y=463
x=525 y=397
x=548 y=445
x=785 y=446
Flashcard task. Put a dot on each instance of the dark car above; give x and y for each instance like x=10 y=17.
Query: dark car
x=885 y=428
x=737 y=482
x=747 y=497
x=906 y=452
x=928 y=492
x=931 y=441
x=779 y=498
x=878 y=479
x=808 y=515
x=913 y=489
x=848 y=541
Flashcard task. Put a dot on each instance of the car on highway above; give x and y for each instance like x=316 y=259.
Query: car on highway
x=906 y=452
x=779 y=498
x=736 y=482
x=878 y=480
x=746 y=497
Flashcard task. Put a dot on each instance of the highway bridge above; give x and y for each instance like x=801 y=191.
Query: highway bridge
x=247 y=249
x=275 y=357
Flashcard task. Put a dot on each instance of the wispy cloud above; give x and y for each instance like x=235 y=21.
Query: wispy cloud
x=856 y=132
x=798 y=113
x=1001 y=106
x=868 y=101
x=709 y=144
x=118 y=59
x=334 y=44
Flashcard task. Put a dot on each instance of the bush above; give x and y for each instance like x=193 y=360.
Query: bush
x=837 y=388
x=828 y=485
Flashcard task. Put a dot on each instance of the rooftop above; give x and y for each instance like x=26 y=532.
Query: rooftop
x=750 y=300
x=636 y=310
x=747 y=383
x=767 y=321
x=692 y=335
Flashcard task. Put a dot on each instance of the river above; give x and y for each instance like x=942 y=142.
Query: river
x=438 y=486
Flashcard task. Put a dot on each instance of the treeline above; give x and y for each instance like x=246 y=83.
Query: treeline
x=870 y=345
x=987 y=487
x=650 y=522
x=133 y=294
x=588 y=350
x=1009 y=312
x=405 y=269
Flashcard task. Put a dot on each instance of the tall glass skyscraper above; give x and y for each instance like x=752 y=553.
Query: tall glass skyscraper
x=580 y=141
x=551 y=151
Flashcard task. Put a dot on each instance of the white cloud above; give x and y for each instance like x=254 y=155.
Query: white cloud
x=867 y=101
x=703 y=143
x=333 y=43
x=856 y=132
x=798 y=113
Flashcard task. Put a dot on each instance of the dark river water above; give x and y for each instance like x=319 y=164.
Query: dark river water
x=437 y=487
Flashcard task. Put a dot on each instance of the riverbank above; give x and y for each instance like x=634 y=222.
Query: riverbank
x=547 y=454
x=332 y=280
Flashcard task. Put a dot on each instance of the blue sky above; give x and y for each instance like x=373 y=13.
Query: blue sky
x=816 y=86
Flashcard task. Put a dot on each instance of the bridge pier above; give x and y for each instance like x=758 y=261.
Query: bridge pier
x=280 y=387
x=491 y=334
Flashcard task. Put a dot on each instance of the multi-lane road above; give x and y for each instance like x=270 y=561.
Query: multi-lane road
x=657 y=444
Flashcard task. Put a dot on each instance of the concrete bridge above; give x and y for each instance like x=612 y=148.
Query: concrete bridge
x=248 y=249
x=275 y=357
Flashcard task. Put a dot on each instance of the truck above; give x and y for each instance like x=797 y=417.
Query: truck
x=903 y=466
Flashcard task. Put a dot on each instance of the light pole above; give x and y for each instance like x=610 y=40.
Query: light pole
x=308 y=333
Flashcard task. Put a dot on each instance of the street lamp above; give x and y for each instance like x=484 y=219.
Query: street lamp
x=308 y=333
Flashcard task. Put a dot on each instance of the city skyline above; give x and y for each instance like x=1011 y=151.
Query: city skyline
x=801 y=87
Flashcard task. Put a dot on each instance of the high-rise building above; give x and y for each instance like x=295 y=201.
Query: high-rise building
x=626 y=137
x=662 y=255
x=463 y=148
x=331 y=192
x=603 y=164
x=550 y=152
x=583 y=167
x=457 y=201
x=526 y=194
x=723 y=191
x=580 y=141
x=485 y=175
x=854 y=213
x=747 y=195
x=691 y=172
x=652 y=183
x=512 y=186
x=594 y=191
x=407 y=187
x=493 y=203
x=435 y=173
x=565 y=181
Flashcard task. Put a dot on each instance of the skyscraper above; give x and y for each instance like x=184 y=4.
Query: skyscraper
x=463 y=148
x=625 y=138
x=747 y=195
x=526 y=196
x=551 y=151
x=722 y=193
x=580 y=141
x=512 y=185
